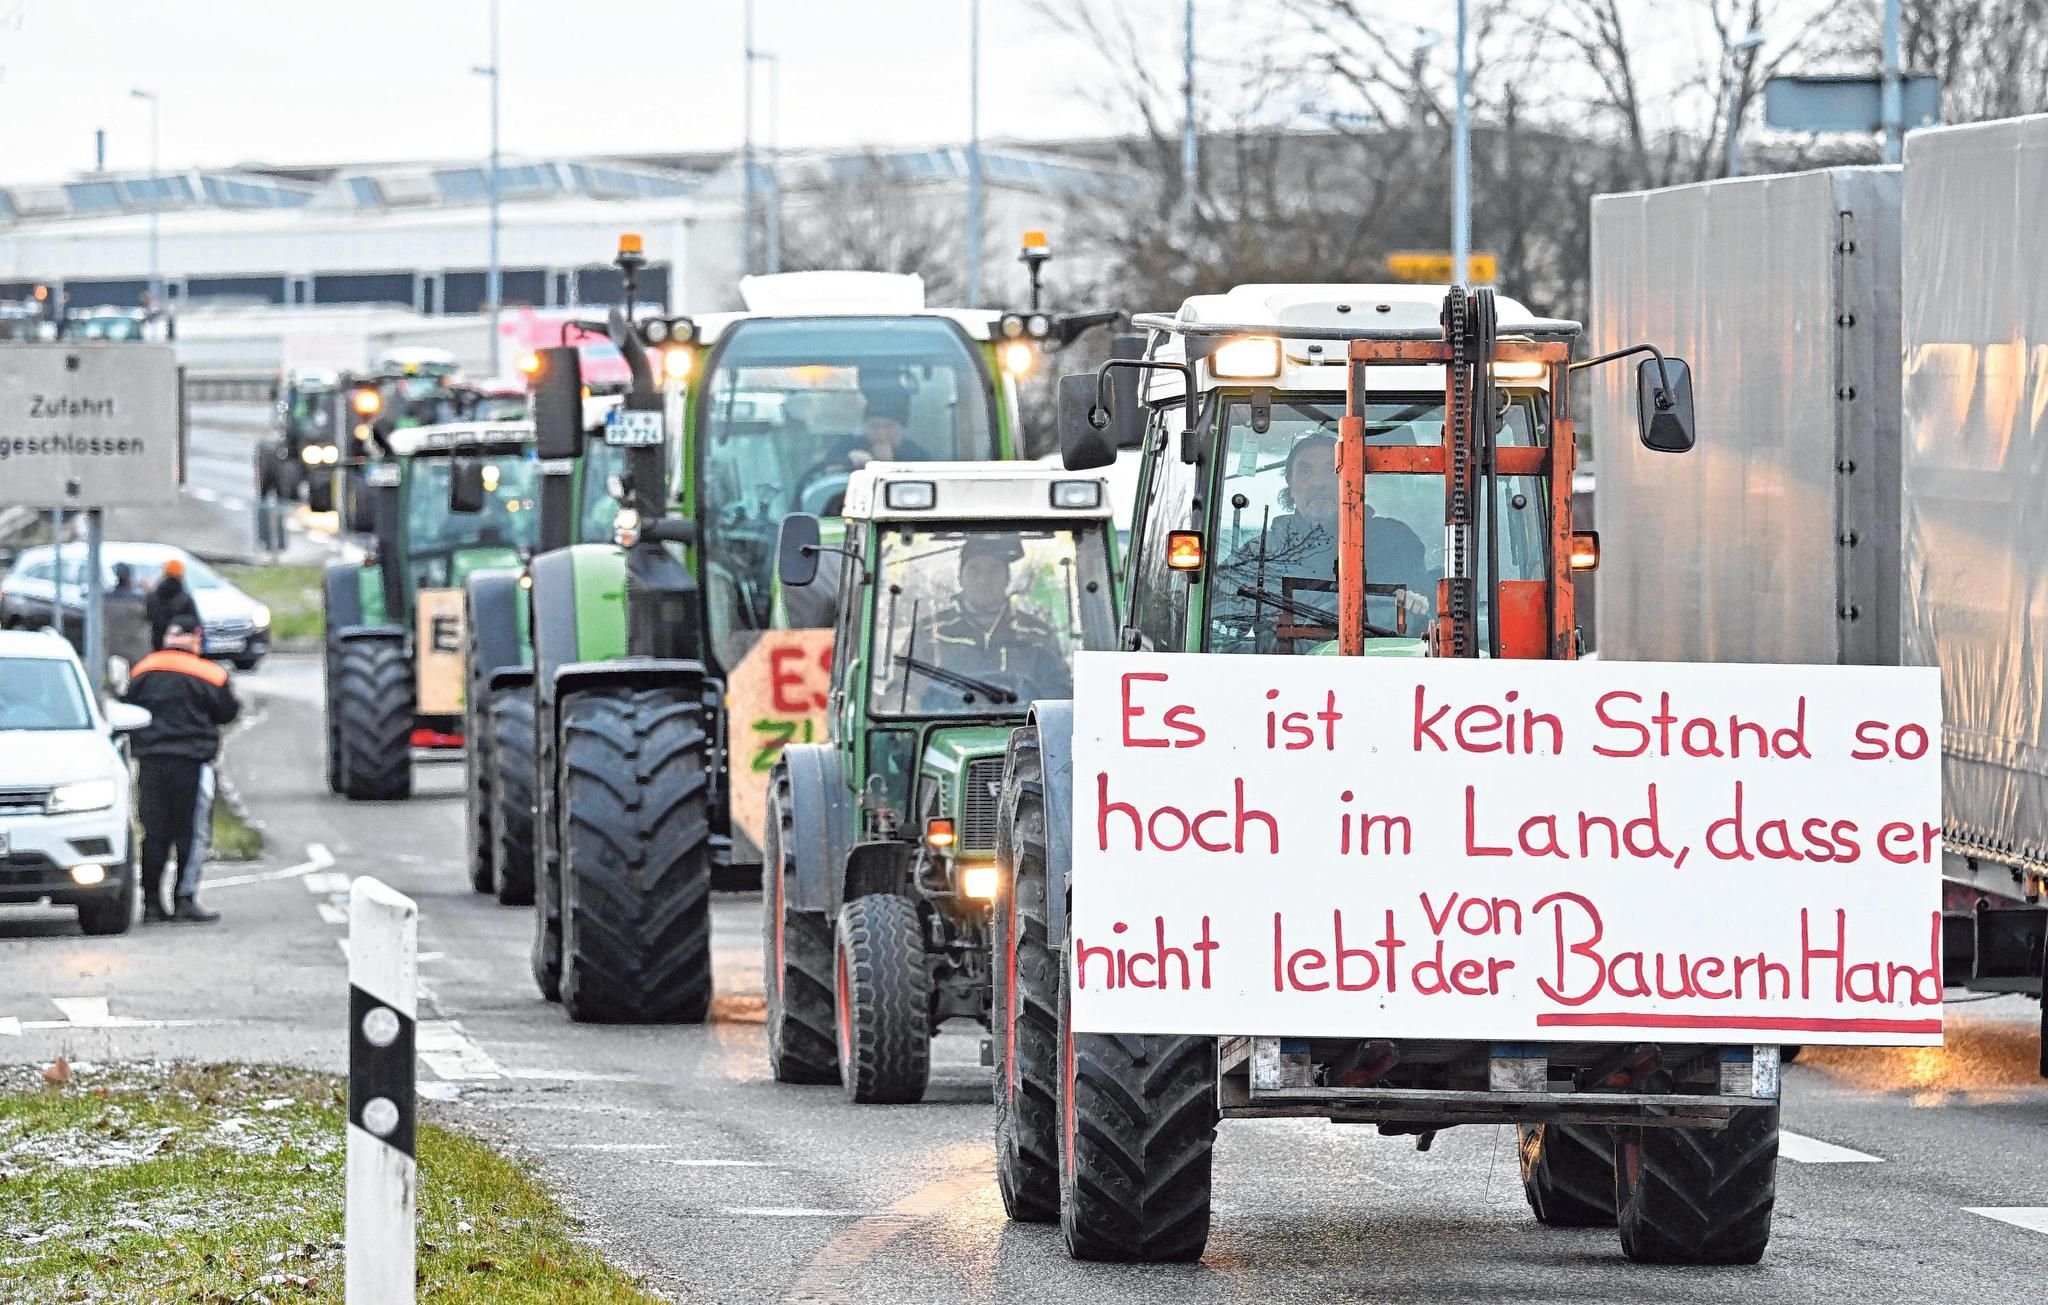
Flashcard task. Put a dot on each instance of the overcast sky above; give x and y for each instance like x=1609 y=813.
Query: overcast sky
x=326 y=80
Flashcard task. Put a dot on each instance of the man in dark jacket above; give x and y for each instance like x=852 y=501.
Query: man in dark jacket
x=170 y=602
x=189 y=699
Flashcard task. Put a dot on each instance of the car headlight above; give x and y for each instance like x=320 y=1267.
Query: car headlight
x=260 y=617
x=86 y=795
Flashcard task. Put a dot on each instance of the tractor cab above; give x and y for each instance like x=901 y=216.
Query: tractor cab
x=1317 y=481
x=450 y=502
x=966 y=591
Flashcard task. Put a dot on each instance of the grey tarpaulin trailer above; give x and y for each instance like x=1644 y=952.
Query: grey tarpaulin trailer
x=1868 y=344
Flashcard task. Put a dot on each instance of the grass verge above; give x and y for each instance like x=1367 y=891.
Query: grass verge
x=292 y=593
x=207 y=1184
x=233 y=838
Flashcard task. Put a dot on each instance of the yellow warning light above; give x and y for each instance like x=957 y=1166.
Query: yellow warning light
x=42 y=293
x=529 y=362
x=1184 y=550
x=1585 y=550
x=367 y=402
x=1035 y=240
x=630 y=243
x=938 y=832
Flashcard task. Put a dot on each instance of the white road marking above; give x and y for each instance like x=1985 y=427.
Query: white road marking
x=1812 y=1151
x=326 y=882
x=2033 y=1218
x=451 y=1054
x=334 y=915
x=203 y=494
x=644 y=1147
x=318 y=858
x=10 y=1026
x=232 y=503
x=571 y=1076
x=83 y=1012
x=789 y=1212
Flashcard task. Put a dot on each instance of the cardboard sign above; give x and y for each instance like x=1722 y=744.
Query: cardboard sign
x=776 y=697
x=1511 y=850
x=438 y=641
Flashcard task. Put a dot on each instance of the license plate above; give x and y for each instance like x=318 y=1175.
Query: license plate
x=632 y=429
x=228 y=643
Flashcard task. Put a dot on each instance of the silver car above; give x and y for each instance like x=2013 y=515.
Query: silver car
x=237 y=627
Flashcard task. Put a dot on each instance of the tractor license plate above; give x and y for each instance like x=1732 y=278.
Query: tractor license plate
x=632 y=429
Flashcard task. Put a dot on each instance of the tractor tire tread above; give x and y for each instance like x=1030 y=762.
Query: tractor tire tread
x=886 y=1053
x=370 y=707
x=1698 y=1196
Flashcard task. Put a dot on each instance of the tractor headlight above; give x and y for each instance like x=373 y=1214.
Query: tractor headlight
x=1019 y=357
x=86 y=795
x=911 y=495
x=1248 y=358
x=310 y=455
x=626 y=528
x=1077 y=494
x=979 y=882
x=654 y=330
x=1038 y=326
x=1012 y=326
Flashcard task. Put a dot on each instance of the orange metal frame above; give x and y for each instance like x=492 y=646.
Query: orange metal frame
x=1535 y=617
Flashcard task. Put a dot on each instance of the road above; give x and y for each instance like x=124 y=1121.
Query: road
x=1909 y=1174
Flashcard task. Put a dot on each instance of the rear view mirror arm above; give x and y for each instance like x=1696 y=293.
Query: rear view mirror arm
x=1664 y=396
x=1187 y=374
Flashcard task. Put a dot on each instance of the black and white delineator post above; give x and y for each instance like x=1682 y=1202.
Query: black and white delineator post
x=383 y=987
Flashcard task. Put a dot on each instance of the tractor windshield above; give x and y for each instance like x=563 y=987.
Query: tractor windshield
x=791 y=406
x=1275 y=555
x=980 y=622
x=434 y=536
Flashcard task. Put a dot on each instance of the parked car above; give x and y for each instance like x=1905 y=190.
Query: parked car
x=237 y=627
x=65 y=833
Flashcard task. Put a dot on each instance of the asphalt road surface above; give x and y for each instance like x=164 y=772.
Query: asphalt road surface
x=1908 y=1175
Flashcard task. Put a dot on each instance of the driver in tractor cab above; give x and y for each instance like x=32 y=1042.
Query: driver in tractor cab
x=1301 y=545
x=883 y=436
x=987 y=634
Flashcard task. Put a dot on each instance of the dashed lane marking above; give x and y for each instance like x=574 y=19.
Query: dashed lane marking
x=326 y=882
x=789 y=1212
x=83 y=1012
x=87 y=1013
x=203 y=494
x=1812 y=1151
x=686 y=1162
x=2033 y=1218
x=318 y=858
x=451 y=1053
x=571 y=1076
x=10 y=1026
x=334 y=915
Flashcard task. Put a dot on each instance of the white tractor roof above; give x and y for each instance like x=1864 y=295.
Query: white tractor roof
x=459 y=437
x=1311 y=365
x=823 y=294
x=972 y=491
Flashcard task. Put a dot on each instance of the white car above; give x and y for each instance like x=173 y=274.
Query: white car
x=64 y=802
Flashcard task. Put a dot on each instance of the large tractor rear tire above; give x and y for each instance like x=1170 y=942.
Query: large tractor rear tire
x=479 y=792
x=1026 y=999
x=635 y=820
x=370 y=708
x=796 y=957
x=546 y=955
x=1568 y=1173
x=330 y=724
x=1695 y=1196
x=1137 y=1127
x=884 y=1001
x=509 y=721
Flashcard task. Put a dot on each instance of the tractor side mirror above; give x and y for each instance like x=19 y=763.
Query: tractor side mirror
x=1086 y=441
x=558 y=403
x=796 y=560
x=1127 y=411
x=1664 y=417
x=466 y=493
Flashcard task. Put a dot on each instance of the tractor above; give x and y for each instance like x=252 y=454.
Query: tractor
x=1360 y=471
x=449 y=501
x=654 y=655
x=966 y=587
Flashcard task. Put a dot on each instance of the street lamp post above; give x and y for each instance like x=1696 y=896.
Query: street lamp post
x=494 y=279
x=772 y=215
x=1737 y=74
x=1461 y=170
x=747 y=245
x=974 y=153
x=156 y=286
x=1189 y=160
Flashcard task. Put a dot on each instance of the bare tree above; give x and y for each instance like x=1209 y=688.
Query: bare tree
x=1991 y=55
x=868 y=214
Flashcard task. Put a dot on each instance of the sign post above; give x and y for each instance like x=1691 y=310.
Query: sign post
x=1515 y=851
x=383 y=1174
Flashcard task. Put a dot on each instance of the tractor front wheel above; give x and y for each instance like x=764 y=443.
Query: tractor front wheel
x=1696 y=1195
x=884 y=1000
x=370 y=710
x=1568 y=1174
x=1026 y=999
x=635 y=820
x=1137 y=1127
x=509 y=720
x=797 y=958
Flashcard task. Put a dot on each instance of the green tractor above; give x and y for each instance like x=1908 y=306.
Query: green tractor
x=661 y=661
x=449 y=501
x=968 y=589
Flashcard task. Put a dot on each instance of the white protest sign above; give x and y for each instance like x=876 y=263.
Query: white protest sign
x=89 y=425
x=1506 y=850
